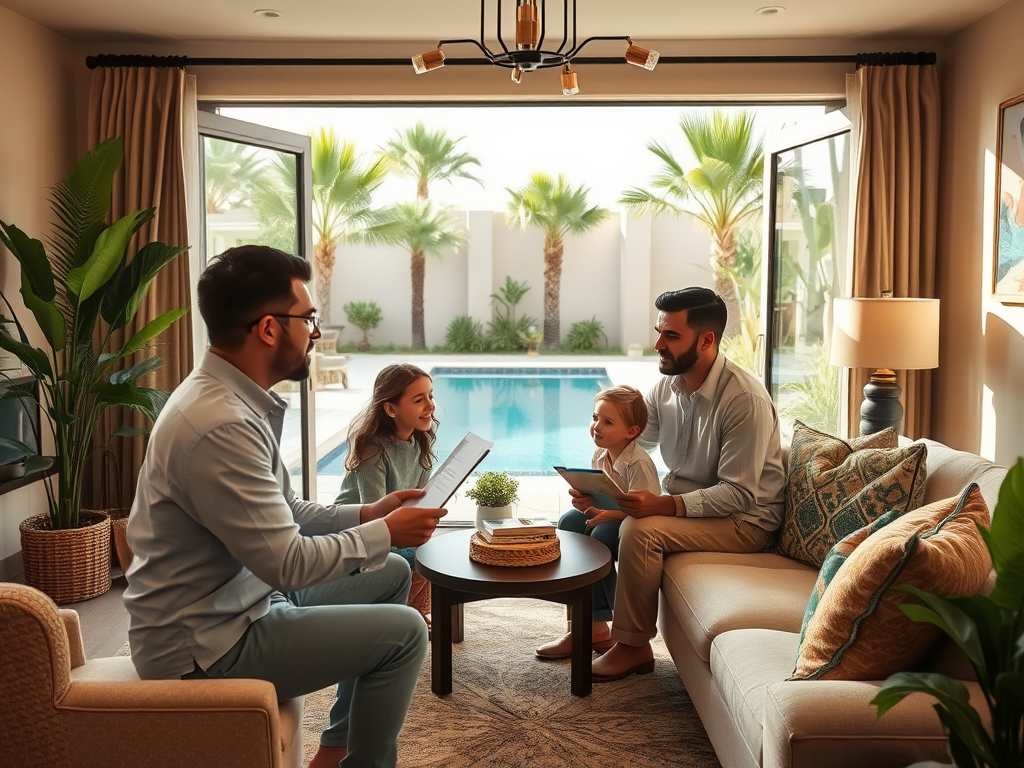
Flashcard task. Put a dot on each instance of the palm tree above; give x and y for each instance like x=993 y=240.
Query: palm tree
x=558 y=210
x=229 y=172
x=343 y=188
x=722 y=191
x=420 y=228
x=426 y=156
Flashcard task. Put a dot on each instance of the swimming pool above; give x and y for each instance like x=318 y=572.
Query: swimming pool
x=536 y=417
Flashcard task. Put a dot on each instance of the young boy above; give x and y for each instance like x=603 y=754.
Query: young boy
x=620 y=416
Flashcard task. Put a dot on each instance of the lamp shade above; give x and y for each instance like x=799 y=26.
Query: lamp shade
x=900 y=334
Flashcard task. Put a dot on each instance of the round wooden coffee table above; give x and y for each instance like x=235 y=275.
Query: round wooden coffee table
x=456 y=580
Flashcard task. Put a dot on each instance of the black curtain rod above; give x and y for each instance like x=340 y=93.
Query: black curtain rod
x=859 y=59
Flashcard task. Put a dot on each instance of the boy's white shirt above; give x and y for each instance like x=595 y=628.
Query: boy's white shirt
x=633 y=470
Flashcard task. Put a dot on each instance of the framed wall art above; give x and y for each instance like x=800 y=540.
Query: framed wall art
x=1008 y=264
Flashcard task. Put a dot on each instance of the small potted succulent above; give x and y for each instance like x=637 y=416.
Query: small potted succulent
x=494 y=493
x=635 y=351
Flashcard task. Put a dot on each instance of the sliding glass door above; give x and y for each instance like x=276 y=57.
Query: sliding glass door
x=807 y=177
x=257 y=184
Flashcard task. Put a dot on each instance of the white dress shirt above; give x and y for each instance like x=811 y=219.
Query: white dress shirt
x=721 y=445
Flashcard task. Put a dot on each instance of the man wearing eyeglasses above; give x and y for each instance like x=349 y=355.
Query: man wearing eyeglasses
x=234 y=575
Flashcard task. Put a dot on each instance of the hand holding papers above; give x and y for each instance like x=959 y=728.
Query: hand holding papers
x=453 y=472
x=596 y=483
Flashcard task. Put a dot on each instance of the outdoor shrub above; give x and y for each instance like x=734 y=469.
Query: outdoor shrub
x=364 y=315
x=584 y=336
x=508 y=334
x=494 y=489
x=465 y=335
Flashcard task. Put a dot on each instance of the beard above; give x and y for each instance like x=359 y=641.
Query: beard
x=673 y=366
x=292 y=366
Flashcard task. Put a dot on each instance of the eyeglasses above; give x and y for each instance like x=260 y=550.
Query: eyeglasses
x=312 y=321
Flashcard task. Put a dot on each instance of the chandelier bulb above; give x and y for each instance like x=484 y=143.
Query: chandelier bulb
x=570 y=85
x=425 y=62
x=517 y=74
x=527 y=25
x=641 y=57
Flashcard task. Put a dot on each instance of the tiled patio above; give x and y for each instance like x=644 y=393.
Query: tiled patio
x=539 y=496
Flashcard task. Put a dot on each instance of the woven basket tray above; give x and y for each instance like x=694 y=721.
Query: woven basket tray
x=514 y=555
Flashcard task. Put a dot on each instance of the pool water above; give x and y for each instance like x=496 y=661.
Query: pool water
x=536 y=418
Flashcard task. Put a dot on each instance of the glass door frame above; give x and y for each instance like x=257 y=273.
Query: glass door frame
x=829 y=126
x=212 y=125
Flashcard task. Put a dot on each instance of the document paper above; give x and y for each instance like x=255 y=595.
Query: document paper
x=452 y=473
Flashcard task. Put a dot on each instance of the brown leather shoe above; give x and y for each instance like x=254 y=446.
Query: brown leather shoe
x=622 y=661
x=562 y=648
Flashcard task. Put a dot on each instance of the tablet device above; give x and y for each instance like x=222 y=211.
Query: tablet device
x=595 y=483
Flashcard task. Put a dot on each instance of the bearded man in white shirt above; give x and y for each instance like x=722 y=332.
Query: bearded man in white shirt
x=718 y=433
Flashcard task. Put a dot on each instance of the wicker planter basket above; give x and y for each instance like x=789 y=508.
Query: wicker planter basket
x=120 y=553
x=69 y=565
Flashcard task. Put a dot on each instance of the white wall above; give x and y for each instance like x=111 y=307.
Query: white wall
x=665 y=254
x=977 y=403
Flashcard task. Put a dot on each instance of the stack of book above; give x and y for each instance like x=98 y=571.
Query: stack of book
x=517 y=531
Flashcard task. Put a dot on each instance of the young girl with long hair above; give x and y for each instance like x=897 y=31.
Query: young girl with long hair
x=390 y=448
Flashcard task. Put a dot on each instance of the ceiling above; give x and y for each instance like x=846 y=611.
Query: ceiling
x=417 y=20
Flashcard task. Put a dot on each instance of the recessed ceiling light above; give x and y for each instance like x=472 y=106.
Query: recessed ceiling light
x=769 y=10
x=268 y=13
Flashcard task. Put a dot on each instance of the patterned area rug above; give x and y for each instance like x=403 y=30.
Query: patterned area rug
x=508 y=709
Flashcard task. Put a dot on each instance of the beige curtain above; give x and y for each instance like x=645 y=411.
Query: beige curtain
x=143 y=105
x=897 y=108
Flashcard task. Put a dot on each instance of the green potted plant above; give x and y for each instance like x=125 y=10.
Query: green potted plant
x=533 y=338
x=80 y=293
x=990 y=631
x=364 y=315
x=494 y=493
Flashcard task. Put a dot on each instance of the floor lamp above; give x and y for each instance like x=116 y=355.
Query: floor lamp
x=886 y=334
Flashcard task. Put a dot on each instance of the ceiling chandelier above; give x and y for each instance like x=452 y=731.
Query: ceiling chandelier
x=528 y=54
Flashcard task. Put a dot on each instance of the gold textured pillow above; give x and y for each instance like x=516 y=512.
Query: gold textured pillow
x=835 y=487
x=857 y=631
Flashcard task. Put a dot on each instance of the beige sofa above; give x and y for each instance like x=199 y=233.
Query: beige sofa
x=732 y=623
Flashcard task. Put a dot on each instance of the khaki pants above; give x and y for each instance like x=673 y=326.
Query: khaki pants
x=643 y=544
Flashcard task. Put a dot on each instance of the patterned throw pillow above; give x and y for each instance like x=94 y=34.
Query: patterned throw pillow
x=834 y=559
x=857 y=631
x=836 y=486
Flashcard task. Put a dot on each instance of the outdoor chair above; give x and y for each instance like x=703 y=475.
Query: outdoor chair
x=60 y=711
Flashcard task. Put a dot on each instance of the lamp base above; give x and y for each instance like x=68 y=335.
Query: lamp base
x=881 y=407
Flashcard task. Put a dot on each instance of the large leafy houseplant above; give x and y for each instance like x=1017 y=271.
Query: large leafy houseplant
x=990 y=631
x=82 y=279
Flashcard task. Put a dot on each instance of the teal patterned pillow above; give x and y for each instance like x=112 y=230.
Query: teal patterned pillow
x=836 y=486
x=834 y=559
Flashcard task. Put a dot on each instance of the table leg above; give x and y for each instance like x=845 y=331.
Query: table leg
x=582 y=607
x=441 y=640
x=459 y=623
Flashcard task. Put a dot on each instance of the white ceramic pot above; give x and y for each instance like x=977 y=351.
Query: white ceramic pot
x=492 y=513
x=636 y=354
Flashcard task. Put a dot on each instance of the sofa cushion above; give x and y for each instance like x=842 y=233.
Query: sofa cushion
x=949 y=472
x=744 y=663
x=836 y=486
x=709 y=599
x=858 y=631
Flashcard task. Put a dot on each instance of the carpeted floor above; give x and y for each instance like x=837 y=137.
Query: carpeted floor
x=507 y=709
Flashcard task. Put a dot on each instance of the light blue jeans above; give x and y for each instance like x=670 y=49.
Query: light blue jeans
x=355 y=631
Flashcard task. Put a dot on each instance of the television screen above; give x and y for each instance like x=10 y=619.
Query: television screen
x=19 y=416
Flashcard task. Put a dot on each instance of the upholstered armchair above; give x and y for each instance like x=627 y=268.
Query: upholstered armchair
x=57 y=709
